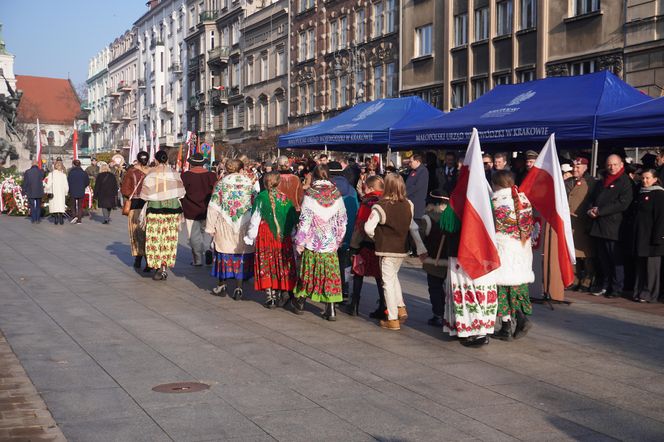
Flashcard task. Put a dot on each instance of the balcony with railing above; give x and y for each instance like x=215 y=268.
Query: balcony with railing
x=219 y=55
x=234 y=91
x=167 y=106
x=122 y=143
x=141 y=83
x=194 y=101
x=207 y=16
x=193 y=62
x=256 y=129
x=156 y=43
x=167 y=140
x=219 y=97
x=176 y=68
x=85 y=127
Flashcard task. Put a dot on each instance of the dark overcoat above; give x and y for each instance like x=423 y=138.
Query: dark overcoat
x=649 y=224
x=612 y=202
x=106 y=190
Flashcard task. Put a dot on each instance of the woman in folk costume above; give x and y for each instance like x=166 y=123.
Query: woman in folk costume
x=390 y=222
x=162 y=190
x=364 y=250
x=320 y=232
x=272 y=223
x=58 y=186
x=228 y=219
x=131 y=190
x=514 y=225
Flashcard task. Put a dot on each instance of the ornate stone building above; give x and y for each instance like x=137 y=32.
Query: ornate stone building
x=342 y=52
x=122 y=91
x=99 y=120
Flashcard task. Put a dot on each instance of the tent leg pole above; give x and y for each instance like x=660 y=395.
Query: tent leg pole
x=594 y=158
x=387 y=157
x=326 y=149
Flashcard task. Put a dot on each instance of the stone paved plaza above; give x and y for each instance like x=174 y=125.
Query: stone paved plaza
x=94 y=336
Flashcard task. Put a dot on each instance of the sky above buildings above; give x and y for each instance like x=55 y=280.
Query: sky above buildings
x=57 y=38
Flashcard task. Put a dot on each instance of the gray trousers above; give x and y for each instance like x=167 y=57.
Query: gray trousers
x=106 y=213
x=196 y=234
x=647 y=278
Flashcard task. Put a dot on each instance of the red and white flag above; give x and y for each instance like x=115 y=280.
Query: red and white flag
x=471 y=201
x=545 y=188
x=38 y=145
x=75 y=142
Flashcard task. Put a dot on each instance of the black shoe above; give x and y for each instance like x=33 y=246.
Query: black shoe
x=158 y=275
x=505 y=333
x=435 y=321
x=612 y=295
x=379 y=313
x=237 y=294
x=271 y=301
x=475 y=341
x=282 y=298
x=522 y=325
x=219 y=290
x=353 y=308
x=298 y=304
x=208 y=257
x=137 y=262
x=105 y=222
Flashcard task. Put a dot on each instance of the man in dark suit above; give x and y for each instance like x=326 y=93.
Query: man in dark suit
x=610 y=198
x=449 y=173
x=33 y=187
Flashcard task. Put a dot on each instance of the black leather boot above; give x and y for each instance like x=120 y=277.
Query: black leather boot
x=298 y=304
x=505 y=333
x=330 y=313
x=137 y=261
x=522 y=325
x=379 y=313
x=271 y=299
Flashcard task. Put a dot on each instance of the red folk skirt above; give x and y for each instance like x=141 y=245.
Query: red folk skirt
x=274 y=264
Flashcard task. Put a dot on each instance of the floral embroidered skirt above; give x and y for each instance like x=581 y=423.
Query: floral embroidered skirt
x=371 y=263
x=274 y=266
x=472 y=303
x=513 y=298
x=161 y=239
x=136 y=233
x=233 y=266
x=320 y=279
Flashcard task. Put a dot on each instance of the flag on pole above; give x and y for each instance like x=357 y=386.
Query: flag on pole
x=545 y=188
x=133 y=151
x=471 y=202
x=38 y=145
x=75 y=142
x=211 y=155
x=178 y=165
x=144 y=146
x=152 y=151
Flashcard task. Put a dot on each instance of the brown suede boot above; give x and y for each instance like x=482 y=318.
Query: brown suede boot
x=390 y=324
x=402 y=314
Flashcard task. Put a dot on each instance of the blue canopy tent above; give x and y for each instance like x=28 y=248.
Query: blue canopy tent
x=362 y=128
x=525 y=115
x=634 y=126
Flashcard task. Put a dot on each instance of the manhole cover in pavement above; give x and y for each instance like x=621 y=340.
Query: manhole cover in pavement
x=181 y=387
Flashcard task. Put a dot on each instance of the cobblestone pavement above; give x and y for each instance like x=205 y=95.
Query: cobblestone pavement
x=23 y=414
x=95 y=336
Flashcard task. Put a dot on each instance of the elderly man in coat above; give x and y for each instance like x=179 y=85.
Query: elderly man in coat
x=610 y=198
x=78 y=181
x=581 y=188
x=33 y=187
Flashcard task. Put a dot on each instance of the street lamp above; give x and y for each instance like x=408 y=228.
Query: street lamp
x=351 y=61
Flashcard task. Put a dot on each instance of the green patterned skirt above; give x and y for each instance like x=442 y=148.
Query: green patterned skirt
x=161 y=239
x=319 y=279
x=513 y=298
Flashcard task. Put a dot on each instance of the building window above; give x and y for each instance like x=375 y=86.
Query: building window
x=334 y=36
x=390 y=77
x=585 y=6
x=378 y=19
x=525 y=76
x=236 y=75
x=390 y=15
x=360 y=83
x=460 y=29
x=360 y=26
x=479 y=88
x=311 y=46
x=250 y=72
x=235 y=33
x=281 y=63
x=504 y=17
x=423 y=41
x=236 y=115
x=333 y=93
x=306 y=4
x=312 y=97
x=302 y=46
x=265 y=73
x=503 y=79
x=582 y=67
x=459 y=95
x=378 y=82
x=303 y=99
x=528 y=14
x=481 y=24
x=343 y=31
x=344 y=90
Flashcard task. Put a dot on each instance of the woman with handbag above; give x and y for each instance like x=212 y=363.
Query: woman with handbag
x=228 y=218
x=106 y=191
x=364 y=260
x=162 y=190
x=57 y=186
x=272 y=223
x=133 y=204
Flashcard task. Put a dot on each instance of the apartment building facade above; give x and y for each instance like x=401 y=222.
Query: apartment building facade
x=98 y=101
x=342 y=52
x=644 y=47
x=122 y=90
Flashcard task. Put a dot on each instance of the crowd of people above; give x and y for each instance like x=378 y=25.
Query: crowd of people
x=315 y=229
